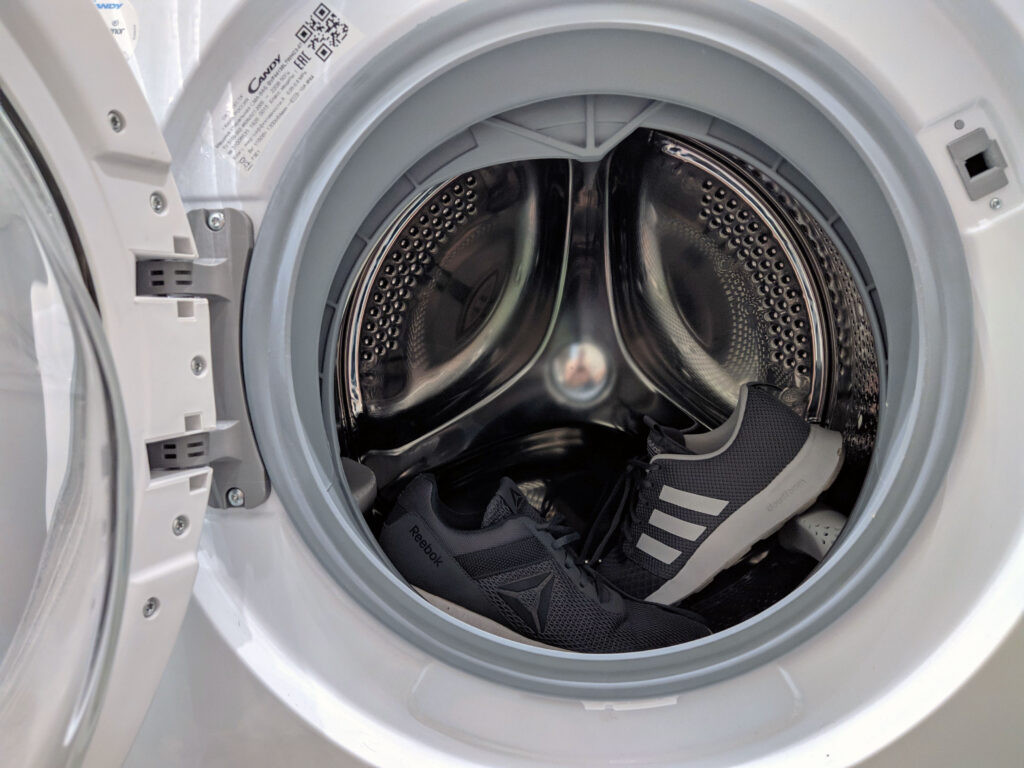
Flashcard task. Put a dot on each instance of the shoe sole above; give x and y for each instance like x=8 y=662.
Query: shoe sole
x=466 y=616
x=794 y=489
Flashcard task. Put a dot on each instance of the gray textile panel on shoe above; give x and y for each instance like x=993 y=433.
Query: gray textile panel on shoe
x=488 y=562
x=768 y=439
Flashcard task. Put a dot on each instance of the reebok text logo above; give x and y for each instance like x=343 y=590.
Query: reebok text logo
x=435 y=558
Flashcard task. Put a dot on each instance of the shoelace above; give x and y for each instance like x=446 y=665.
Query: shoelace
x=621 y=498
x=562 y=536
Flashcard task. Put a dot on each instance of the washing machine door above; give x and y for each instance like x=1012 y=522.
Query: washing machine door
x=97 y=547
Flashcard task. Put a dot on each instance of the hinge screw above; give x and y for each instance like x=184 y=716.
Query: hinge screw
x=198 y=365
x=180 y=525
x=157 y=202
x=116 y=120
x=150 y=607
x=995 y=203
x=215 y=220
x=236 y=497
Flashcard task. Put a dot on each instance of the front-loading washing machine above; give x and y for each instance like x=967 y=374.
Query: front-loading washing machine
x=486 y=239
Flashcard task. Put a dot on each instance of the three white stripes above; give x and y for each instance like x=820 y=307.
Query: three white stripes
x=705 y=505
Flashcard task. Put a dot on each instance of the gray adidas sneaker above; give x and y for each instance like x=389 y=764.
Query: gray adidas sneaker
x=513 y=573
x=698 y=502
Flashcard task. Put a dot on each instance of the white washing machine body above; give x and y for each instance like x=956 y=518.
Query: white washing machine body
x=285 y=655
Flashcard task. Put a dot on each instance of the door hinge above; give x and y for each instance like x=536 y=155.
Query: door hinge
x=224 y=241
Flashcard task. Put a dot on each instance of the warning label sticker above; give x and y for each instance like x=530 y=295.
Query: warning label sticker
x=275 y=79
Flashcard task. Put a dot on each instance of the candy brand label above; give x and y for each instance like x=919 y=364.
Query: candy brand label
x=262 y=97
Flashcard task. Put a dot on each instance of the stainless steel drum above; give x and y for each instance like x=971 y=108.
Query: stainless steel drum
x=522 y=319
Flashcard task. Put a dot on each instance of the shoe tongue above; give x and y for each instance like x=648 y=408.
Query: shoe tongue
x=661 y=439
x=508 y=502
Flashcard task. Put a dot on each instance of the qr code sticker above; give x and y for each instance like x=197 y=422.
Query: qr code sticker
x=322 y=32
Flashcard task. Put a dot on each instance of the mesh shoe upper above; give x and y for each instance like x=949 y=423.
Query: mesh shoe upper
x=768 y=438
x=516 y=569
x=683 y=494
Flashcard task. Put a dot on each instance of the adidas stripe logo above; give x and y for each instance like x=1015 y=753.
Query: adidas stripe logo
x=684 y=529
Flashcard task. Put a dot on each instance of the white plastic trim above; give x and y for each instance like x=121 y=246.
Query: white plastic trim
x=64 y=74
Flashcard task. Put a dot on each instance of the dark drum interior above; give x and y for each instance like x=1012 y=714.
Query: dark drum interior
x=522 y=319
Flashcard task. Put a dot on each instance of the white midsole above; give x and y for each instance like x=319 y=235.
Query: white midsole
x=476 y=620
x=793 y=490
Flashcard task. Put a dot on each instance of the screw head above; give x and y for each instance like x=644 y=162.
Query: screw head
x=157 y=202
x=215 y=220
x=180 y=525
x=198 y=365
x=150 y=607
x=116 y=120
x=995 y=203
x=236 y=497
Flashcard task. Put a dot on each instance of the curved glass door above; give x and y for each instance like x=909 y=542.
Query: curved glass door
x=63 y=481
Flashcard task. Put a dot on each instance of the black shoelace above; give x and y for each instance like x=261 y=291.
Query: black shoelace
x=562 y=536
x=619 y=509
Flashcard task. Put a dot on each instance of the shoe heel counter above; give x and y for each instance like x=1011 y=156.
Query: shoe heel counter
x=770 y=419
x=418 y=553
x=415 y=550
x=416 y=496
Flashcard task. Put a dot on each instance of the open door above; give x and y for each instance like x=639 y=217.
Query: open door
x=97 y=551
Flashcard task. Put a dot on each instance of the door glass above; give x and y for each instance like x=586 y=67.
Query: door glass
x=62 y=482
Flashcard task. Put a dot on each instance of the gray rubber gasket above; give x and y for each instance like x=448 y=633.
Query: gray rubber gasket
x=756 y=72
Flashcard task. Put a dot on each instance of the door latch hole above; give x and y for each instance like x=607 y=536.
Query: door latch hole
x=976 y=164
x=979 y=162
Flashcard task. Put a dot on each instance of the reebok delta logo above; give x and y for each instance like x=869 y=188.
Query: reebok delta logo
x=435 y=558
x=530 y=598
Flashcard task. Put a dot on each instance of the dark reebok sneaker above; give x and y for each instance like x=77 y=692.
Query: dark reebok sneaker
x=698 y=502
x=512 y=570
